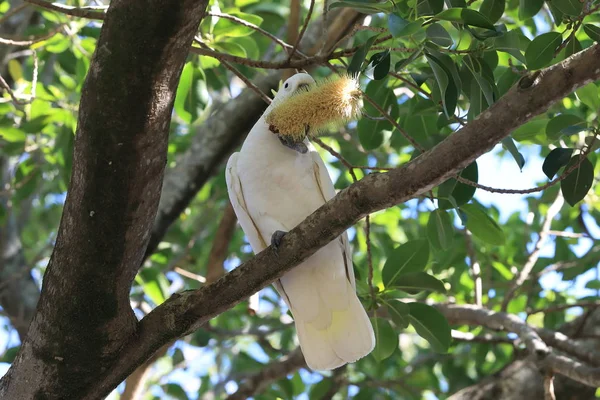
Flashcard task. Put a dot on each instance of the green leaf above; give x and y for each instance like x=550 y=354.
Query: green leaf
x=379 y=65
x=589 y=96
x=438 y=35
x=409 y=257
x=576 y=185
x=568 y=7
x=529 y=8
x=554 y=161
x=429 y=7
x=509 y=144
x=530 y=129
x=12 y=135
x=440 y=230
x=365 y=6
x=460 y=193
x=564 y=124
x=510 y=43
x=227 y=28
x=370 y=132
x=492 y=9
x=593 y=284
x=400 y=27
x=416 y=282
x=10 y=354
x=482 y=225
x=319 y=389
x=399 y=312
x=431 y=325
x=175 y=391
x=445 y=80
x=592 y=31
x=540 y=51
x=465 y=16
x=356 y=63
x=192 y=94
x=386 y=339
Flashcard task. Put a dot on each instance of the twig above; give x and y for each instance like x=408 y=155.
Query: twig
x=370 y=258
x=561 y=307
x=257 y=28
x=274 y=371
x=549 y=386
x=32 y=39
x=83 y=12
x=258 y=63
x=481 y=338
x=188 y=274
x=218 y=252
x=302 y=30
x=522 y=276
x=475 y=269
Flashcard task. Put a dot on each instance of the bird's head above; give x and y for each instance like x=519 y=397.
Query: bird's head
x=296 y=84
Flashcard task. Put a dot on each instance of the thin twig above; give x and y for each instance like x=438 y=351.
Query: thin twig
x=475 y=268
x=522 y=276
x=549 y=386
x=562 y=307
x=259 y=63
x=302 y=30
x=83 y=12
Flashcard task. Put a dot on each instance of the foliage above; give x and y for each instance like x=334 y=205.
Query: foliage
x=432 y=66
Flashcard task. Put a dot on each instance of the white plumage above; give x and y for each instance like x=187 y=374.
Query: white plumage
x=274 y=188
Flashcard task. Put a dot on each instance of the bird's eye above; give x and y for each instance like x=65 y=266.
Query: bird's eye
x=287 y=85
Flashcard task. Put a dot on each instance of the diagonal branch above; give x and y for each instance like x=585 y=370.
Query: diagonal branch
x=272 y=372
x=537 y=347
x=184 y=312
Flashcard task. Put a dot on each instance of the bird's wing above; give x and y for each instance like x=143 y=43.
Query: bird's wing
x=236 y=196
x=328 y=192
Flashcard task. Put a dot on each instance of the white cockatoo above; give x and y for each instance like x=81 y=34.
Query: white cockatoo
x=273 y=186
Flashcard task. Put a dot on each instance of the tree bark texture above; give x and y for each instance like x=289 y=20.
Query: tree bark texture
x=84 y=316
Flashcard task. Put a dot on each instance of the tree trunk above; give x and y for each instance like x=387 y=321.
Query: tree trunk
x=84 y=316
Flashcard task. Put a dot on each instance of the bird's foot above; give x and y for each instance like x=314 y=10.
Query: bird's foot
x=300 y=147
x=276 y=239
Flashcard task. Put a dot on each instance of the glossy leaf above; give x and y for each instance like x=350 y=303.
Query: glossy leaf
x=459 y=192
x=529 y=8
x=438 y=35
x=386 y=339
x=564 y=124
x=509 y=144
x=554 y=161
x=568 y=7
x=465 y=16
x=440 y=230
x=416 y=282
x=431 y=325
x=409 y=257
x=593 y=32
x=482 y=225
x=541 y=50
x=356 y=63
x=578 y=183
x=492 y=9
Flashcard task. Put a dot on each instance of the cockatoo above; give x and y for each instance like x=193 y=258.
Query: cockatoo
x=274 y=185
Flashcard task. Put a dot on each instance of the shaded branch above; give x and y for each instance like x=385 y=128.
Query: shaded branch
x=272 y=372
x=536 y=346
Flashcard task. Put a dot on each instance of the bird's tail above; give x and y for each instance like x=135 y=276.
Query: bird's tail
x=346 y=339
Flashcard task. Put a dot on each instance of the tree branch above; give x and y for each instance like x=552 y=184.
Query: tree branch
x=184 y=312
x=272 y=372
x=537 y=348
x=84 y=314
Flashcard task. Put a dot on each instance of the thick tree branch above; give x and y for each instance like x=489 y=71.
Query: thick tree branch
x=536 y=346
x=184 y=312
x=84 y=316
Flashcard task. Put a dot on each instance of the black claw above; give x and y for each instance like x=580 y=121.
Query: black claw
x=300 y=147
x=276 y=238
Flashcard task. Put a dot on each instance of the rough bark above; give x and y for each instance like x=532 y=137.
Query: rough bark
x=84 y=316
x=184 y=312
x=523 y=380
